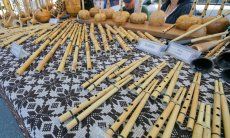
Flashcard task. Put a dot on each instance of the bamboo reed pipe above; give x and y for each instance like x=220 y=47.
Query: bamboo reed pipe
x=122 y=43
x=136 y=37
x=142 y=35
x=104 y=38
x=127 y=72
x=224 y=111
x=145 y=76
x=192 y=115
x=87 y=50
x=76 y=50
x=97 y=76
x=201 y=26
x=30 y=60
x=73 y=39
x=172 y=119
x=104 y=76
x=122 y=35
x=127 y=112
x=150 y=78
x=168 y=28
x=9 y=41
x=185 y=106
x=41 y=38
x=87 y=102
x=198 y=128
x=91 y=29
x=165 y=114
x=165 y=81
x=207 y=129
x=149 y=36
x=111 y=40
x=216 y=119
x=215 y=49
x=111 y=29
x=129 y=125
x=95 y=105
x=43 y=63
x=129 y=37
x=61 y=66
x=172 y=84
x=65 y=36
x=82 y=38
x=118 y=72
x=95 y=42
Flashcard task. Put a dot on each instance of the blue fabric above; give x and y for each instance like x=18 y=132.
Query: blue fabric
x=182 y=9
x=112 y=3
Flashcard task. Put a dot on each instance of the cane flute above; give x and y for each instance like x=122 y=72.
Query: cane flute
x=192 y=115
x=141 y=35
x=66 y=35
x=87 y=102
x=95 y=42
x=150 y=78
x=135 y=36
x=30 y=60
x=216 y=119
x=145 y=76
x=97 y=76
x=43 y=63
x=96 y=104
x=41 y=38
x=9 y=41
x=122 y=43
x=149 y=36
x=87 y=50
x=207 y=128
x=76 y=50
x=168 y=28
x=61 y=66
x=91 y=28
x=122 y=35
x=215 y=49
x=111 y=29
x=121 y=70
x=109 y=36
x=104 y=38
x=104 y=76
x=127 y=72
x=129 y=125
x=127 y=111
x=165 y=81
x=201 y=26
x=172 y=119
x=185 y=106
x=198 y=128
x=172 y=84
x=224 y=111
x=129 y=37
x=165 y=114
x=73 y=39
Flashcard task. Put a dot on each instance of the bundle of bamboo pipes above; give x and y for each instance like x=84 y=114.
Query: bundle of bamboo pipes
x=98 y=78
x=166 y=80
x=97 y=103
x=30 y=60
x=173 y=105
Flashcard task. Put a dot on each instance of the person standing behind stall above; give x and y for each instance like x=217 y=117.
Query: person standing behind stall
x=175 y=8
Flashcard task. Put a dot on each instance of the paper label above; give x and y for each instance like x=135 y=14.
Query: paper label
x=184 y=53
x=53 y=21
x=151 y=47
x=18 y=51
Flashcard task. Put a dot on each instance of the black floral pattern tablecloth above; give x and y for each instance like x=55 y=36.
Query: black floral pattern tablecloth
x=37 y=99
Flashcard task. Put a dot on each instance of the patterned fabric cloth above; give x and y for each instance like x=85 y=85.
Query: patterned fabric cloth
x=37 y=99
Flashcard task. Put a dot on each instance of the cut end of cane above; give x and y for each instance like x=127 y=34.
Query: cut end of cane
x=64 y=117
